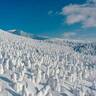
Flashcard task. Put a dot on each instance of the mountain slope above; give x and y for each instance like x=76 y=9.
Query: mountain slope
x=26 y=34
x=30 y=67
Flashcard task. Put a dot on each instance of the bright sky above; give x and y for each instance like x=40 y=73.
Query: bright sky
x=55 y=18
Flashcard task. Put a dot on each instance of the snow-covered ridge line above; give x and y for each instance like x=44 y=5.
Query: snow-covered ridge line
x=74 y=40
x=31 y=67
x=39 y=37
x=27 y=34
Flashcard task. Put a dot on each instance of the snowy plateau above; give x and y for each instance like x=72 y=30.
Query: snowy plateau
x=52 y=67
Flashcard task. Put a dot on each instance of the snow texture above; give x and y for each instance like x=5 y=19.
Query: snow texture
x=54 y=67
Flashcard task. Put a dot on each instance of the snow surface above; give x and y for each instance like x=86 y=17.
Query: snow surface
x=53 y=67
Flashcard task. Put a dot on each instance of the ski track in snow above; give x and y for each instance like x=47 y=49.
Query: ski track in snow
x=52 y=67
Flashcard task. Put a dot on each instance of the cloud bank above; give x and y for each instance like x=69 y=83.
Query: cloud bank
x=69 y=35
x=84 y=14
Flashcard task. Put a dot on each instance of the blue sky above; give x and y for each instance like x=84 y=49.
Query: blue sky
x=47 y=17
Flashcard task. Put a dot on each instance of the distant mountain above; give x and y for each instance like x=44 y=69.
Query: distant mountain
x=26 y=34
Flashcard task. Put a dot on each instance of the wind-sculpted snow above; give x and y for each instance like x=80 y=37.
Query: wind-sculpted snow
x=46 y=67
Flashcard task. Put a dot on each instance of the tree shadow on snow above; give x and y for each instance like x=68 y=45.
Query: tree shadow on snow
x=5 y=79
x=13 y=92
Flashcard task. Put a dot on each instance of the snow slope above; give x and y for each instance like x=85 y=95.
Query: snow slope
x=26 y=34
x=30 y=67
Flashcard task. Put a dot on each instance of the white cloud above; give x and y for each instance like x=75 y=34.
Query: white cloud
x=84 y=14
x=91 y=1
x=69 y=34
x=50 y=12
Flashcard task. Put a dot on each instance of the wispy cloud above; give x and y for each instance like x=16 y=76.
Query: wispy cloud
x=91 y=1
x=84 y=14
x=69 y=34
x=50 y=12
